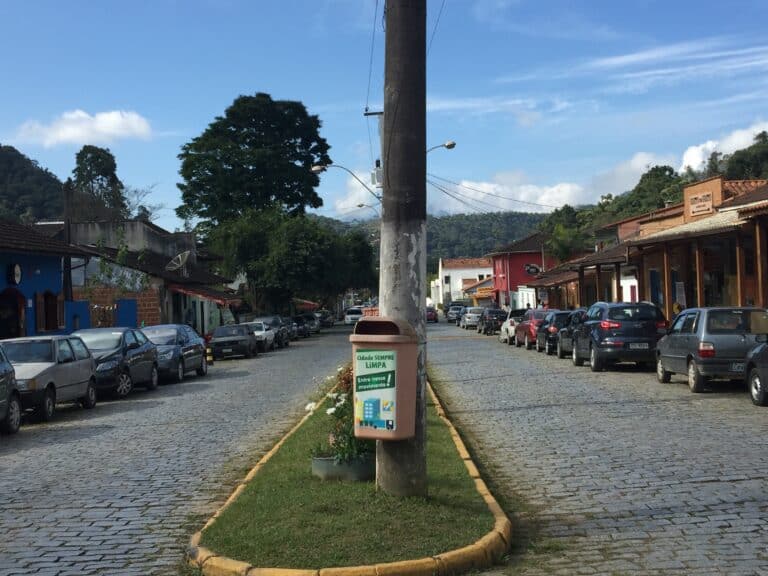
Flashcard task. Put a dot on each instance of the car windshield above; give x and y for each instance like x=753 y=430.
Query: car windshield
x=737 y=320
x=474 y=311
x=29 y=351
x=634 y=313
x=354 y=312
x=496 y=313
x=257 y=326
x=226 y=331
x=100 y=339
x=561 y=318
x=161 y=336
x=539 y=314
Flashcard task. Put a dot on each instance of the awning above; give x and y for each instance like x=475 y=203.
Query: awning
x=206 y=293
x=305 y=304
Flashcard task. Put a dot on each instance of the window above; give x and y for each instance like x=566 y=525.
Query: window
x=480 y=276
x=447 y=281
x=677 y=327
x=64 y=351
x=140 y=337
x=689 y=327
x=594 y=313
x=81 y=352
x=129 y=338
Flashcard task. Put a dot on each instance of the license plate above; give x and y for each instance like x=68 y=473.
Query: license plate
x=638 y=345
x=227 y=350
x=737 y=366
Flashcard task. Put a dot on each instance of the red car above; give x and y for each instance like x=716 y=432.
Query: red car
x=431 y=314
x=525 y=331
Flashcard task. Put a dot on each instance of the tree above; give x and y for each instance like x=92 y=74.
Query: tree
x=258 y=155
x=751 y=162
x=95 y=178
x=138 y=205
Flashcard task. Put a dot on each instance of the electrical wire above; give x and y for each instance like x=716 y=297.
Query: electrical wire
x=495 y=207
x=370 y=74
x=434 y=30
x=456 y=197
x=492 y=194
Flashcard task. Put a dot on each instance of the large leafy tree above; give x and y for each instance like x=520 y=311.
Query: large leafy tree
x=95 y=179
x=751 y=162
x=258 y=155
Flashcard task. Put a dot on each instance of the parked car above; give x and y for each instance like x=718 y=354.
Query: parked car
x=547 y=331
x=564 y=342
x=507 y=329
x=352 y=315
x=452 y=314
x=10 y=400
x=709 y=343
x=618 y=332
x=431 y=314
x=757 y=370
x=301 y=326
x=326 y=318
x=470 y=318
x=460 y=314
x=265 y=335
x=313 y=323
x=233 y=340
x=282 y=339
x=180 y=349
x=124 y=357
x=490 y=321
x=525 y=330
x=290 y=327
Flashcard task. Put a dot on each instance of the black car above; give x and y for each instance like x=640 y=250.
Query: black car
x=564 y=343
x=618 y=332
x=757 y=371
x=233 y=340
x=179 y=350
x=302 y=328
x=490 y=321
x=547 y=331
x=282 y=336
x=290 y=327
x=326 y=318
x=124 y=357
x=10 y=398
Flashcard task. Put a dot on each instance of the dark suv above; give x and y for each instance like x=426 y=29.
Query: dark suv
x=546 y=333
x=491 y=320
x=618 y=332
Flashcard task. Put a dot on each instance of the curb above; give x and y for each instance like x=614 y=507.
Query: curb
x=482 y=554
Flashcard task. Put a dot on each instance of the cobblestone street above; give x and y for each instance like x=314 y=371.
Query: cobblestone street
x=623 y=475
x=110 y=491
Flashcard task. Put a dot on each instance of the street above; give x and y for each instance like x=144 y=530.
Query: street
x=119 y=489
x=620 y=474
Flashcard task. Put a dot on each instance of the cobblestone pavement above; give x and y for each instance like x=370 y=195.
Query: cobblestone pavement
x=621 y=474
x=110 y=491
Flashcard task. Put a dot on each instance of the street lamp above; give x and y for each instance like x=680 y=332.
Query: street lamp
x=448 y=145
x=371 y=207
x=319 y=168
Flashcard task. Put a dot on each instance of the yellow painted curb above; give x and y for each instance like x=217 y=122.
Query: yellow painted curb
x=482 y=554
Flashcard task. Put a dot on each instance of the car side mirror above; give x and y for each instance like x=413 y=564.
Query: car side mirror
x=133 y=346
x=761 y=338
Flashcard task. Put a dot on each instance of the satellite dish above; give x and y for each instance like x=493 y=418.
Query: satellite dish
x=178 y=261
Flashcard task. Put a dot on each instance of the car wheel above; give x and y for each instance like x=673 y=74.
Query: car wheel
x=539 y=347
x=180 y=370
x=518 y=342
x=287 y=343
x=548 y=348
x=560 y=351
x=12 y=421
x=595 y=361
x=662 y=375
x=695 y=379
x=124 y=385
x=577 y=361
x=528 y=344
x=47 y=407
x=153 y=379
x=203 y=370
x=89 y=400
x=757 y=388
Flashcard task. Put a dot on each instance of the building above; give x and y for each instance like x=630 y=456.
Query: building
x=452 y=274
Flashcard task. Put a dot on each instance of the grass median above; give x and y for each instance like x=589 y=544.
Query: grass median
x=287 y=518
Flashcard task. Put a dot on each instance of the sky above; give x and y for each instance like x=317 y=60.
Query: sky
x=548 y=102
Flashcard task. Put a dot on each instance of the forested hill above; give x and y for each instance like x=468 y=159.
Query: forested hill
x=473 y=235
x=27 y=191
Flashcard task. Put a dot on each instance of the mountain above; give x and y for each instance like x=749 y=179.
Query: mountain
x=27 y=191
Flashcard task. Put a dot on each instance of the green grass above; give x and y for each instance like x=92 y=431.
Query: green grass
x=289 y=519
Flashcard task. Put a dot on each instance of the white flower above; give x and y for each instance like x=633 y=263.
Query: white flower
x=341 y=400
x=340 y=368
x=331 y=410
x=332 y=395
x=311 y=406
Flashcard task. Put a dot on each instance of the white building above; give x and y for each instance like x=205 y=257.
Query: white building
x=455 y=274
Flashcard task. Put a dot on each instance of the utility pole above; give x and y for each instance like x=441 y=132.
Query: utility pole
x=67 y=275
x=401 y=466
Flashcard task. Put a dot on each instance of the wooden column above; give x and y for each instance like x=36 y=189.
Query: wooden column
x=667 y=282
x=739 y=270
x=598 y=284
x=617 y=282
x=699 y=256
x=761 y=266
x=641 y=278
x=582 y=290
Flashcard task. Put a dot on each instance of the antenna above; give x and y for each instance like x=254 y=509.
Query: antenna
x=177 y=262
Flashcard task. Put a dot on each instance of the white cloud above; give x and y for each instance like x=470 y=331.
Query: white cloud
x=625 y=175
x=356 y=194
x=696 y=156
x=79 y=127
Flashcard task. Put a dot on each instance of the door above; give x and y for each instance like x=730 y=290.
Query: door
x=670 y=347
x=187 y=347
x=66 y=376
x=584 y=329
x=197 y=345
x=6 y=371
x=83 y=364
x=147 y=350
x=133 y=357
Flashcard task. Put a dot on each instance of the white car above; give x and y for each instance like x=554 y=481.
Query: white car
x=265 y=335
x=507 y=330
x=352 y=315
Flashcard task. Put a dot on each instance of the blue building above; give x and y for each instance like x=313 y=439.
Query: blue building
x=31 y=284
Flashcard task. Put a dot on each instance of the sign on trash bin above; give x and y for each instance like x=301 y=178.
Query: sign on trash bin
x=375 y=388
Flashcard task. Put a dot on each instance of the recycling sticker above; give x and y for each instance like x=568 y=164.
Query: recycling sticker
x=375 y=389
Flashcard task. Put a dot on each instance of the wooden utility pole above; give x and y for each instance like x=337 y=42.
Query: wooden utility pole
x=401 y=466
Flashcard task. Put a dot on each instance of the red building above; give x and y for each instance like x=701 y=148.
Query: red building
x=516 y=265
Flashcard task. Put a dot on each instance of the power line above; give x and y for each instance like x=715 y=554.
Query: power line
x=370 y=74
x=455 y=197
x=495 y=207
x=492 y=194
x=434 y=30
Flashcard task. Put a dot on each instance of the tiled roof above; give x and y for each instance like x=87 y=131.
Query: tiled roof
x=756 y=194
x=19 y=238
x=722 y=221
x=557 y=279
x=741 y=187
x=477 y=283
x=531 y=243
x=614 y=255
x=453 y=263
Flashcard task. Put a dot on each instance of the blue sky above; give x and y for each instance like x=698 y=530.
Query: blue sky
x=549 y=102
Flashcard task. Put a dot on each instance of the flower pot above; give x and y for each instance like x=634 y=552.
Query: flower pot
x=362 y=469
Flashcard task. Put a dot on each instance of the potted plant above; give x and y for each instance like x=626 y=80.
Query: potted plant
x=343 y=456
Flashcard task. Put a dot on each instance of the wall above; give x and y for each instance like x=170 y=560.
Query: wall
x=40 y=273
x=514 y=264
x=103 y=298
x=137 y=236
x=713 y=186
x=457 y=275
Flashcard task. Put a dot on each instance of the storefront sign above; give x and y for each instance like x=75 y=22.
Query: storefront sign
x=484 y=292
x=375 y=389
x=700 y=204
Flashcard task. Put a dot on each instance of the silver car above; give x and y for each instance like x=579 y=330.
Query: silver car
x=52 y=369
x=471 y=317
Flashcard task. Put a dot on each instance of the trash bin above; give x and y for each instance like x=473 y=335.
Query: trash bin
x=384 y=364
